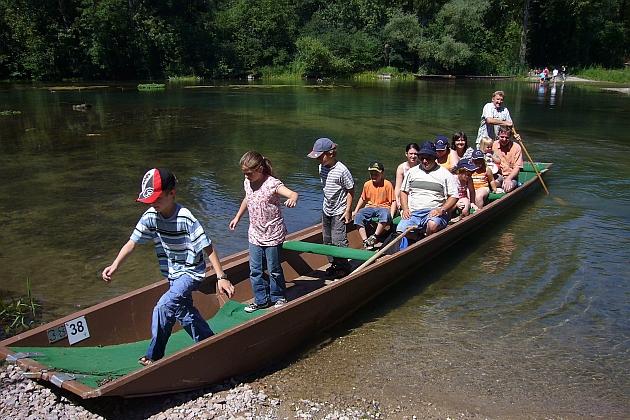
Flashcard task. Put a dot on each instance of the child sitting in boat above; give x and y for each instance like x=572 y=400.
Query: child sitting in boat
x=482 y=178
x=266 y=229
x=492 y=160
x=338 y=188
x=179 y=242
x=465 y=187
x=377 y=200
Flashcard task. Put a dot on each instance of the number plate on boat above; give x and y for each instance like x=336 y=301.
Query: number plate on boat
x=77 y=330
x=56 y=334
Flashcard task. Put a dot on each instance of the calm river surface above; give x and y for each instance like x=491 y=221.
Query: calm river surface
x=539 y=327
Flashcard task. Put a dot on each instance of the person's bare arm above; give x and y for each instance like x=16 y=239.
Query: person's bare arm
x=239 y=214
x=291 y=196
x=347 y=216
x=124 y=252
x=223 y=285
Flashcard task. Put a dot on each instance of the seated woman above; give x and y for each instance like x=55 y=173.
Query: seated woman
x=444 y=157
x=459 y=147
x=465 y=187
x=482 y=178
x=411 y=154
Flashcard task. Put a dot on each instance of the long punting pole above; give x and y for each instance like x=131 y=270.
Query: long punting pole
x=385 y=248
x=518 y=138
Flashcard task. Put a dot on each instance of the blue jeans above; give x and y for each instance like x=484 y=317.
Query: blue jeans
x=365 y=215
x=176 y=304
x=420 y=218
x=271 y=290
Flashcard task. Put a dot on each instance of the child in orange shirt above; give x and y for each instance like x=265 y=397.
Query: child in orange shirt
x=377 y=200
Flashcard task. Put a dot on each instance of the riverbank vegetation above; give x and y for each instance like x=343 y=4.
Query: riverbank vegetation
x=151 y=40
x=605 y=75
x=18 y=314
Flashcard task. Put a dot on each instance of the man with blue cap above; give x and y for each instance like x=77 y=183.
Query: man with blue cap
x=428 y=194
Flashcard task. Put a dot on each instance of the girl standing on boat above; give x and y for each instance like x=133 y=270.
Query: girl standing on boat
x=266 y=229
x=411 y=154
x=482 y=178
x=459 y=147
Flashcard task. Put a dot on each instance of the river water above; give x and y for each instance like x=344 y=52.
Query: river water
x=528 y=318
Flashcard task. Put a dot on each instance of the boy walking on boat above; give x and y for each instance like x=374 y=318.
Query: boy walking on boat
x=179 y=242
x=338 y=187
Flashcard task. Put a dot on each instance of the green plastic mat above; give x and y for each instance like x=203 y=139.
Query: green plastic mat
x=333 y=251
x=105 y=363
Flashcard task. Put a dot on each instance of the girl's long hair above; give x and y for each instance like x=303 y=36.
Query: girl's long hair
x=253 y=160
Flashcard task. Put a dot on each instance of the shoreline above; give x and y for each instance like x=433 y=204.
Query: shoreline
x=25 y=398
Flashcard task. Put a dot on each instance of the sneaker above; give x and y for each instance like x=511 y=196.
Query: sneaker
x=369 y=243
x=280 y=303
x=252 y=307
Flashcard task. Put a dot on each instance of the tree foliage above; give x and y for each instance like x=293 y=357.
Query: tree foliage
x=141 y=39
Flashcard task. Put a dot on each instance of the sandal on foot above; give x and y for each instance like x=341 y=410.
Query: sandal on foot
x=145 y=361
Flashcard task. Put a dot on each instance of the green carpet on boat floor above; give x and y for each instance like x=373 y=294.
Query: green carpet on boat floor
x=106 y=363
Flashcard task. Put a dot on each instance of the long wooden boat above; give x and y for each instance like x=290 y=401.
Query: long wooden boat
x=108 y=338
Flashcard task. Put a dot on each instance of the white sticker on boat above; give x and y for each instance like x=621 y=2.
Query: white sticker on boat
x=77 y=330
x=56 y=334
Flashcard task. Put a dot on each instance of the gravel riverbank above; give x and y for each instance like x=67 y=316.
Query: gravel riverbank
x=22 y=398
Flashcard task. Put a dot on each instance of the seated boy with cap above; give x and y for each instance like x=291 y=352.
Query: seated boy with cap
x=377 y=200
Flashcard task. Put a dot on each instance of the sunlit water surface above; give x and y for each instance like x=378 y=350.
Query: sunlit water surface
x=530 y=316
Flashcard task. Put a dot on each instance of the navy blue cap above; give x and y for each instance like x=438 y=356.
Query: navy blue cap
x=466 y=164
x=477 y=154
x=441 y=143
x=427 y=148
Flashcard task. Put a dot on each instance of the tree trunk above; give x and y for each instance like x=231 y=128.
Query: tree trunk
x=522 y=55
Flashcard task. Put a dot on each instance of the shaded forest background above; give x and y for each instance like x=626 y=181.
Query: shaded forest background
x=140 y=39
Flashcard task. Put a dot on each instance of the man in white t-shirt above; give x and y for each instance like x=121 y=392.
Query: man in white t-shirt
x=493 y=115
x=427 y=195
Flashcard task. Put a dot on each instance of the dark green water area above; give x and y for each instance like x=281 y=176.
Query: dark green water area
x=528 y=317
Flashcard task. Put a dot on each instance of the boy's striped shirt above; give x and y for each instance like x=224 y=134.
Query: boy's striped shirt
x=179 y=241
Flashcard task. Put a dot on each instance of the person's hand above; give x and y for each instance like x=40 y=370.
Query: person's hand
x=509 y=124
x=225 y=286
x=435 y=212
x=291 y=201
x=108 y=272
x=354 y=214
x=517 y=137
x=346 y=217
x=233 y=223
x=405 y=214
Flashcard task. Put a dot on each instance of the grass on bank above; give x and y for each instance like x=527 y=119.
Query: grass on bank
x=392 y=72
x=604 y=75
x=185 y=79
x=18 y=315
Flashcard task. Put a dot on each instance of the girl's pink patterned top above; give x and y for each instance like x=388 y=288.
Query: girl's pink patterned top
x=266 y=225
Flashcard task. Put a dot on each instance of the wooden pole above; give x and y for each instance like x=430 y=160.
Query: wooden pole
x=520 y=142
x=385 y=248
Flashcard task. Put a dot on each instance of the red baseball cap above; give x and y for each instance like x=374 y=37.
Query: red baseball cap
x=154 y=182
